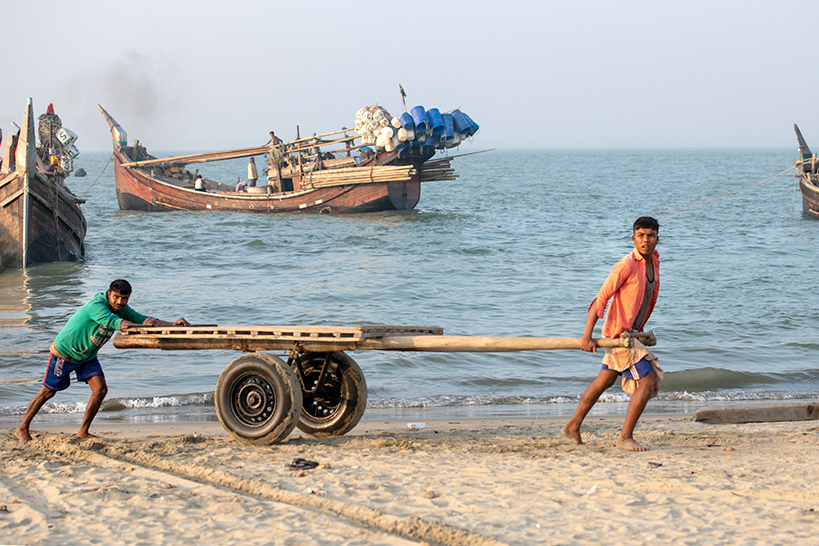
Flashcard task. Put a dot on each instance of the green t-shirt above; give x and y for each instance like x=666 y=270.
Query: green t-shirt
x=91 y=327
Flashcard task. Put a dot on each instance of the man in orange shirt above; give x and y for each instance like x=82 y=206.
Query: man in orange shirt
x=632 y=286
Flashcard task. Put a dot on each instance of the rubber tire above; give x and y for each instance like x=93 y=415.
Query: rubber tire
x=284 y=391
x=349 y=382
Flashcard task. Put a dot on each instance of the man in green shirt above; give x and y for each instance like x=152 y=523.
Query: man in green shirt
x=76 y=346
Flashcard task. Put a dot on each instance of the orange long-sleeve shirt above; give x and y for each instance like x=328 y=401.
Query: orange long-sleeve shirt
x=625 y=286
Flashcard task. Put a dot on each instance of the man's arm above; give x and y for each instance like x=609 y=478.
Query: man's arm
x=587 y=343
x=153 y=322
x=156 y=322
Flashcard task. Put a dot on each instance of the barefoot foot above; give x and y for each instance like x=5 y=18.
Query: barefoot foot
x=23 y=435
x=630 y=445
x=85 y=435
x=572 y=434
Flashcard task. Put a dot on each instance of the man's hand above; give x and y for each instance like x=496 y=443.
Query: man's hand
x=181 y=322
x=589 y=345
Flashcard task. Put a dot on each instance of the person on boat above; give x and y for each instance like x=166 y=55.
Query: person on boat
x=252 y=173
x=366 y=153
x=199 y=184
x=632 y=285
x=241 y=186
x=75 y=349
x=274 y=140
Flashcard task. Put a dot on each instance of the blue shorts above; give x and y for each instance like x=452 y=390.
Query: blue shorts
x=639 y=370
x=57 y=376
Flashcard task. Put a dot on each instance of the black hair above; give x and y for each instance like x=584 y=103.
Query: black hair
x=644 y=222
x=120 y=286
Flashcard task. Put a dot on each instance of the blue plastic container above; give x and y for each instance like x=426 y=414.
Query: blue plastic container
x=474 y=126
x=435 y=121
x=429 y=142
x=449 y=128
x=406 y=121
x=461 y=125
x=419 y=116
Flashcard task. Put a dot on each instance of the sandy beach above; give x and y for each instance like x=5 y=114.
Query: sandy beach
x=465 y=482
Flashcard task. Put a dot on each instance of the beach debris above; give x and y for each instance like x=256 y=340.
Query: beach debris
x=167 y=486
x=728 y=449
x=323 y=466
x=592 y=490
x=301 y=474
x=316 y=492
x=4 y=508
x=301 y=464
x=430 y=494
x=416 y=426
x=654 y=465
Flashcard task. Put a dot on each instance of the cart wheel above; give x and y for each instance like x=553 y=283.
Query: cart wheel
x=258 y=399
x=335 y=406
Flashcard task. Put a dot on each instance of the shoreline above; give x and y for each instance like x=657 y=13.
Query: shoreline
x=364 y=428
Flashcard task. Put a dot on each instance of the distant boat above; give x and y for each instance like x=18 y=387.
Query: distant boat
x=806 y=169
x=328 y=173
x=40 y=219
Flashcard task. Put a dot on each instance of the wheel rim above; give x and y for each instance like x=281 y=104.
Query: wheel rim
x=325 y=402
x=253 y=400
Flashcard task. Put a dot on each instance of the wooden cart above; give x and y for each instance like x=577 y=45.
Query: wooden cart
x=260 y=398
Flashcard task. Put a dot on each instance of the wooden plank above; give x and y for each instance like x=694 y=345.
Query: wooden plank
x=339 y=338
x=11 y=177
x=12 y=197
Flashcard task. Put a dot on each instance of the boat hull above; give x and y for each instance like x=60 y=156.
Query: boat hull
x=40 y=222
x=138 y=190
x=810 y=195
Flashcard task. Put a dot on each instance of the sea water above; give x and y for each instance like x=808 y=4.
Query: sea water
x=518 y=245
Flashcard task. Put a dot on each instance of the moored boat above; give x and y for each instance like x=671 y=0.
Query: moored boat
x=379 y=168
x=40 y=219
x=806 y=171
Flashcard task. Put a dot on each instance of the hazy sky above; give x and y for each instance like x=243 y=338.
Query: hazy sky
x=200 y=75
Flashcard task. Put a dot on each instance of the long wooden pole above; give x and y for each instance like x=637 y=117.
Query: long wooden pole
x=247 y=339
x=203 y=157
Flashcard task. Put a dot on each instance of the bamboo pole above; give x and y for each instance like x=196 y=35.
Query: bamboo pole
x=202 y=157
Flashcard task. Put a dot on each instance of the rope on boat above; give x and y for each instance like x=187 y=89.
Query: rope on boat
x=724 y=196
x=98 y=177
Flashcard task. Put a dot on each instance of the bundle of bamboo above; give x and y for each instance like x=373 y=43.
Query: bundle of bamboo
x=344 y=177
x=438 y=170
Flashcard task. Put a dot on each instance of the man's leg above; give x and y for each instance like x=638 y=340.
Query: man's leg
x=645 y=388
x=98 y=391
x=604 y=380
x=34 y=406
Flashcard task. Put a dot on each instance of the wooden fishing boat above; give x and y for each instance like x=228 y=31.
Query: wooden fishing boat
x=40 y=219
x=806 y=171
x=334 y=172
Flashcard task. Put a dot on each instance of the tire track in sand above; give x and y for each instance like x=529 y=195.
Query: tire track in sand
x=98 y=453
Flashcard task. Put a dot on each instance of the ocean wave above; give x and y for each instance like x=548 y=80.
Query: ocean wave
x=610 y=397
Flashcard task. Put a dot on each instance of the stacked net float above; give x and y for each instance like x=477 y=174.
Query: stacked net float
x=419 y=128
